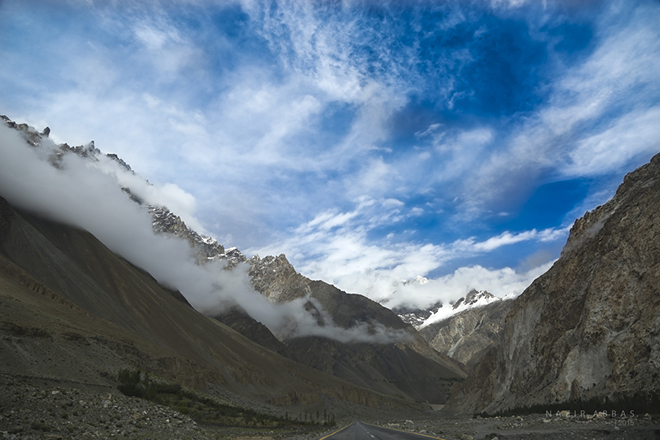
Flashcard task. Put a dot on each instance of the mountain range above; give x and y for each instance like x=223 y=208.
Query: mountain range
x=70 y=301
x=75 y=309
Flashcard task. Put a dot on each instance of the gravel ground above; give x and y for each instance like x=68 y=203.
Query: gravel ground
x=30 y=409
x=34 y=409
x=535 y=426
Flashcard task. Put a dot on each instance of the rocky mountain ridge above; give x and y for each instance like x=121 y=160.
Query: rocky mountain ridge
x=588 y=330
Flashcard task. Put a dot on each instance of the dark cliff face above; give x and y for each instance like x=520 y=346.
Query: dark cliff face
x=589 y=328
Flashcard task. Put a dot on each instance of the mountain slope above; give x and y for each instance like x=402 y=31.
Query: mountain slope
x=74 y=311
x=93 y=278
x=409 y=367
x=589 y=328
x=468 y=335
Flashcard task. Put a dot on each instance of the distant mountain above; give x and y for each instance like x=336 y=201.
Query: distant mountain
x=467 y=335
x=464 y=330
x=586 y=333
x=420 y=317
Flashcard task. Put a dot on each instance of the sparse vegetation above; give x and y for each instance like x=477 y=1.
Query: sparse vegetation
x=205 y=409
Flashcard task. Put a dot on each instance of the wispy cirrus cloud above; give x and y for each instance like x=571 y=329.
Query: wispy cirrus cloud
x=600 y=115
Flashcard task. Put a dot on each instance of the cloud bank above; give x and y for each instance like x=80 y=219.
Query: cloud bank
x=87 y=194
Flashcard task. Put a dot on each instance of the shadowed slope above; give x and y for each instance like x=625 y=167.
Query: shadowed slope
x=97 y=313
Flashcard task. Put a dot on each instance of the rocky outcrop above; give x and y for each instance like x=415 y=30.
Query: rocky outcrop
x=203 y=248
x=589 y=328
x=277 y=280
x=416 y=316
x=469 y=335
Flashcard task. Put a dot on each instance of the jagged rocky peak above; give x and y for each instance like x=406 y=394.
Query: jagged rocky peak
x=234 y=257
x=276 y=278
x=204 y=248
x=35 y=138
x=88 y=150
x=120 y=161
x=31 y=135
x=420 y=317
x=474 y=297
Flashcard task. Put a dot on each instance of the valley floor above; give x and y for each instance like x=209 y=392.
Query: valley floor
x=35 y=409
x=534 y=427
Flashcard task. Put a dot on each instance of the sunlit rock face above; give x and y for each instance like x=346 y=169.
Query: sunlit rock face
x=590 y=327
x=468 y=335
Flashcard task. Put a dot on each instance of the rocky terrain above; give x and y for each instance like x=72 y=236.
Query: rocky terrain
x=467 y=336
x=537 y=426
x=588 y=330
x=584 y=335
x=50 y=409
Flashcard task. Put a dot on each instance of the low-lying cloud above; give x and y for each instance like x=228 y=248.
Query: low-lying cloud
x=87 y=194
x=335 y=247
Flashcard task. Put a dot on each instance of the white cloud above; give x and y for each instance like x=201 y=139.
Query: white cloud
x=633 y=134
x=344 y=255
x=601 y=114
x=449 y=288
x=506 y=238
x=245 y=141
x=168 y=195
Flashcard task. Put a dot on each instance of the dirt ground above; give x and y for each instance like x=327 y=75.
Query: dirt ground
x=550 y=426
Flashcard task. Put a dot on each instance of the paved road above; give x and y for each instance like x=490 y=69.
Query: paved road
x=362 y=431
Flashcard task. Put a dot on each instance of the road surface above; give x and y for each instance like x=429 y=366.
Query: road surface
x=362 y=431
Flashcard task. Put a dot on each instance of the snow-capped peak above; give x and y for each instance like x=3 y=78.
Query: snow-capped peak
x=472 y=300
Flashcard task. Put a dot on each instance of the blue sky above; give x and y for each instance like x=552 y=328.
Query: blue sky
x=371 y=142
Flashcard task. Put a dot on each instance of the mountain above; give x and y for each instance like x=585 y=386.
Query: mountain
x=74 y=312
x=99 y=311
x=409 y=367
x=423 y=373
x=468 y=335
x=588 y=330
x=420 y=317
